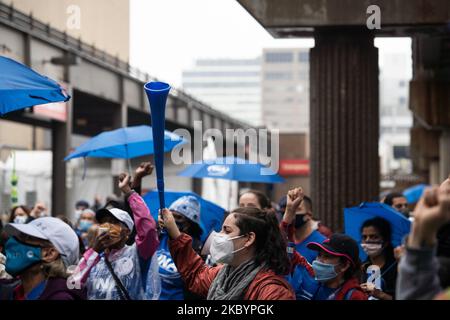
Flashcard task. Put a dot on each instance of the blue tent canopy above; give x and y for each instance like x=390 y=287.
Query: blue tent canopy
x=231 y=168
x=22 y=87
x=211 y=215
x=124 y=143
x=354 y=218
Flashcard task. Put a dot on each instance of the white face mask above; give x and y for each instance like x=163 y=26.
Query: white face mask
x=222 y=248
x=372 y=249
x=21 y=219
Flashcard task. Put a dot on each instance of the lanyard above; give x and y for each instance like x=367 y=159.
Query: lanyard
x=36 y=292
x=389 y=268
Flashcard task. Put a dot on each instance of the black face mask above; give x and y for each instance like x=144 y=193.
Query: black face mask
x=405 y=212
x=182 y=227
x=300 y=220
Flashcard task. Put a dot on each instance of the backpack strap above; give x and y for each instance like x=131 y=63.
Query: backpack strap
x=349 y=293
x=123 y=293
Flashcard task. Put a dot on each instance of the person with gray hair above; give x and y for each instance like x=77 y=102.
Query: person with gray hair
x=38 y=255
x=112 y=270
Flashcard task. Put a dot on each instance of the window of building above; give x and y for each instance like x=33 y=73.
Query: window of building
x=290 y=89
x=303 y=75
x=401 y=152
x=228 y=62
x=220 y=74
x=189 y=85
x=279 y=57
x=278 y=75
x=303 y=56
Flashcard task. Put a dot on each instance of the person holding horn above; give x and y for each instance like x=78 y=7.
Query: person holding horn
x=250 y=253
x=112 y=270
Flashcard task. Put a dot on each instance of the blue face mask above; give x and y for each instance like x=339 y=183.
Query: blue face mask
x=324 y=271
x=20 y=256
x=85 y=225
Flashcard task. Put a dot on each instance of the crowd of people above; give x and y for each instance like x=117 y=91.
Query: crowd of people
x=264 y=251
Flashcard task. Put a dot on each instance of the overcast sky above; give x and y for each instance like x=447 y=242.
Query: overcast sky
x=168 y=35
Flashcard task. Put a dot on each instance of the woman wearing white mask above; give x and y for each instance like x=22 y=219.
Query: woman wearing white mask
x=251 y=254
x=86 y=221
x=380 y=263
x=20 y=214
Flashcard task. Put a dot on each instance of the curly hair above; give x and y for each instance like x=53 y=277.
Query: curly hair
x=270 y=246
x=55 y=268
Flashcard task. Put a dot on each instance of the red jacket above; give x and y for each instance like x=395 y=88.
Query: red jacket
x=198 y=276
x=357 y=293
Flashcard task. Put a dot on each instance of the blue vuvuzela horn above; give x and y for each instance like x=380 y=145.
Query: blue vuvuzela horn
x=157 y=93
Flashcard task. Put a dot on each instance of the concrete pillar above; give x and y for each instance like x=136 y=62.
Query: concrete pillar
x=61 y=143
x=344 y=122
x=120 y=118
x=120 y=121
x=434 y=172
x=444 y=155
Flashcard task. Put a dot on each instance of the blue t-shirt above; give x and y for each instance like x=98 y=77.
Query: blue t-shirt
x=309 y=254
x=36 y=292
x=171 y=282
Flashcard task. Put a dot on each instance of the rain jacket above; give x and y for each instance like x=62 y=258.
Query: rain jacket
x=198 y=276
x=136 y=266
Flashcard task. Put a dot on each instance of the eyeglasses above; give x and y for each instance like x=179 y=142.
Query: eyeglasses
x=401 y=205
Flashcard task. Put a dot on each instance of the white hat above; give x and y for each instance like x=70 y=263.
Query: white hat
x=59 y=233
x=119 y=214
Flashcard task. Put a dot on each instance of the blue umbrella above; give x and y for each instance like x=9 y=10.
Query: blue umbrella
x=231 y=168
x=414 y=193
x=355 y=217
x=211 y=215
x=22 y=87
x=124 y=143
